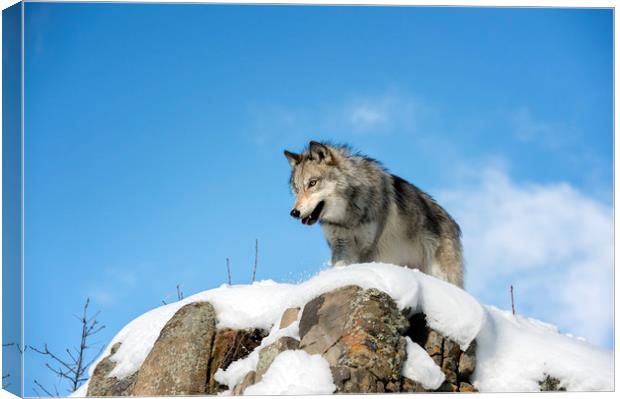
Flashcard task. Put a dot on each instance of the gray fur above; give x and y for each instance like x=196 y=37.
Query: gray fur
x=370 y=215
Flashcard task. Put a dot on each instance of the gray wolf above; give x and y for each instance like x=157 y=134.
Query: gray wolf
x=370 y=215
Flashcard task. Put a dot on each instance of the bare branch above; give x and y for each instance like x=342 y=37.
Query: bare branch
x=60 y=372
x=228 y=269
x=5 y=377
x=94 y=317
x=43 y=389
x=75 y=368
x=47 y=352
x=19 y=348
x=93 y=332
x=87 y=366
x=512 y=299
x=71 y=356
x=179 y=292
x=255 y=261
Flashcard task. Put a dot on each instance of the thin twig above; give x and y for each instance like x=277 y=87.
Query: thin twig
x=179 y=292
x=94 y=358
x=228 y=269
x=19 y=348
x=42 y=388
x=255 y=261
x=512 y=299
x=75 y=369
x=5 y=377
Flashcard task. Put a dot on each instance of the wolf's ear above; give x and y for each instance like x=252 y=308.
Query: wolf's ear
x=293 y=159
x=320 y=152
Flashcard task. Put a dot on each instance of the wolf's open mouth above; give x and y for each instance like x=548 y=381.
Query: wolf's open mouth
x=314 y=216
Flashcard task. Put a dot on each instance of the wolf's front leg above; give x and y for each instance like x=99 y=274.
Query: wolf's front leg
x=352 y=254
x=344 y=252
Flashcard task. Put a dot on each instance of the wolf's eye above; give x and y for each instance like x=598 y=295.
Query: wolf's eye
x=312 y=183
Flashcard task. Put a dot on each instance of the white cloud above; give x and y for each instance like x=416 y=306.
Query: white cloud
x=102 y=296
x=553 y=242
x=366 y=116
x=380 y=113
x=383 y=113
x=528 y=129
x=554 y=135
x=112 y=286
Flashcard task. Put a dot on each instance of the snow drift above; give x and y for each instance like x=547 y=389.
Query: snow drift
x=513 y=352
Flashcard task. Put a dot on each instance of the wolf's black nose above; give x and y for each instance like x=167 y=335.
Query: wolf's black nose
x=295 y=213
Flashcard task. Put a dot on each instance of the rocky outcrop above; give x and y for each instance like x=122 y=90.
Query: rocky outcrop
x=455 y=364
x=267 y=355
x=360 y=332
x=288 y=317
x=230 y=345
x=178 y=362
x=101 y=384
x=183 y=360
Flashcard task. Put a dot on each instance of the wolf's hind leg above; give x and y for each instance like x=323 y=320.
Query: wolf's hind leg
x=448 y=262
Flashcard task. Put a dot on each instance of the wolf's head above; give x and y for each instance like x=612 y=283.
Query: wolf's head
x=313 y=180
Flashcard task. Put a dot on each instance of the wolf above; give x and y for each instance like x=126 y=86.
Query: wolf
x=370 y=215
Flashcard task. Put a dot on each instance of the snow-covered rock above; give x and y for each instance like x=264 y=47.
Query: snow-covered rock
x=470 y=344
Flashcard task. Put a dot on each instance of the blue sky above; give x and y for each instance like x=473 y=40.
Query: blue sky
x=154 y=138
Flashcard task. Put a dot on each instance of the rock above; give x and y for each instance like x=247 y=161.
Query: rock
x=457 y=366
x=434 y=345
x=288 y=317
x=408 y=385
x=466 y=387
x=360 y=331
x=467 y=362
x=249 y=379
x=340 y=374
x=269 y=353
x=178 y=362
x=549 y=383
x=102 y=385
x=450 y=363
x=230 y=345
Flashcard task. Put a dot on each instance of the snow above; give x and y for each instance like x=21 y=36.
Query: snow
x=235 y=372
x=420 y=368
x=505 y=343
x=295 y=372
x=514 y=352
x=80 y=392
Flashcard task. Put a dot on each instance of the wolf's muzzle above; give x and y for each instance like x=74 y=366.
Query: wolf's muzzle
x=295 y=213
